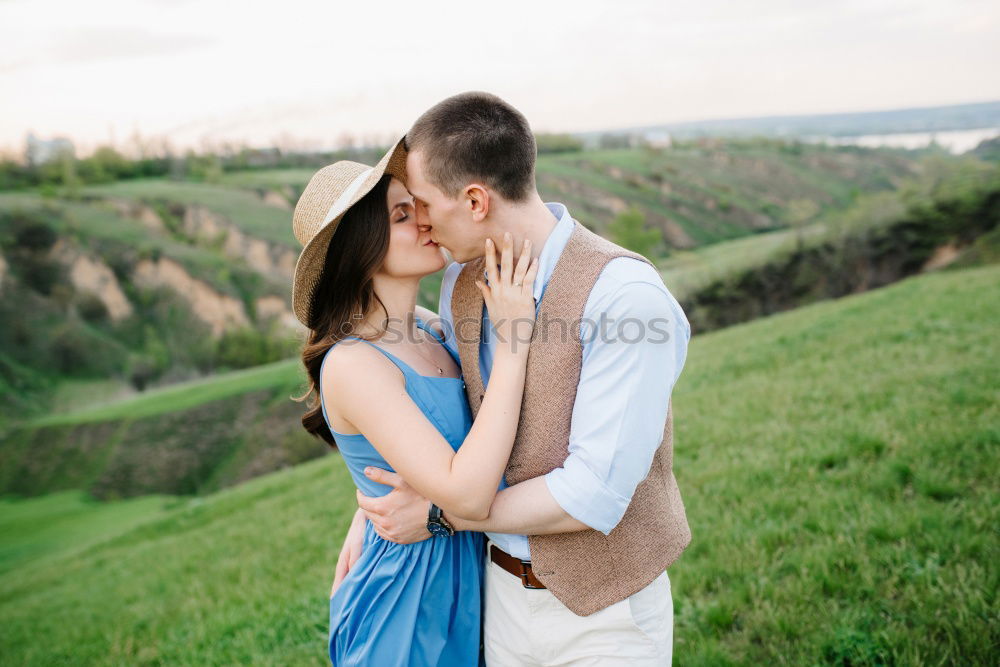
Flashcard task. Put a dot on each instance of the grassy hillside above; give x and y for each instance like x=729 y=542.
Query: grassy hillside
x=838 y=464
x=953 y=185
x=241 y=206
x=192 y=437
x=879 y=242
x=118 y=298
x=152 y=281
x=697 y=193
x=702 y=193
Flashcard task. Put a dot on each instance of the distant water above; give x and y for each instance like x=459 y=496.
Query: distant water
x=955 y=141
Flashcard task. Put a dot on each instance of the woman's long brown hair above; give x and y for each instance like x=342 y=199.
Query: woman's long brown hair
x=345 y=293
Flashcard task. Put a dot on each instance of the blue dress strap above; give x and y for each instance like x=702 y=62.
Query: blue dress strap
x=400 y=364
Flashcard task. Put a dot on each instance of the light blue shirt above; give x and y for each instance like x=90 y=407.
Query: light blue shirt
x=635 y=338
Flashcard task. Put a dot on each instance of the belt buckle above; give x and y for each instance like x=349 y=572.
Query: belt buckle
x=524 y=577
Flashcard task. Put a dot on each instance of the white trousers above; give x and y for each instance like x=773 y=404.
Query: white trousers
x=523 y=626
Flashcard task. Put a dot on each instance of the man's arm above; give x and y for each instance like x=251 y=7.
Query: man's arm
x=635 y=339
x=527 y=508
x=523 y=509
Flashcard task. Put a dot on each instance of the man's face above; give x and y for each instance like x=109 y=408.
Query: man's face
x=449 y=220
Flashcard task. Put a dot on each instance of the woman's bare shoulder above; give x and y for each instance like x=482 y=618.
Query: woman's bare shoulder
x=351 y=361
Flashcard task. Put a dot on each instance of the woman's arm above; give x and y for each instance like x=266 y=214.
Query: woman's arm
x=365 y=390
x=350 y=551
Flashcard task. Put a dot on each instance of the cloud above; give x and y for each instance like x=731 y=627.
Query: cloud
x=202 y=71
x=94 y=44
x=112 y=43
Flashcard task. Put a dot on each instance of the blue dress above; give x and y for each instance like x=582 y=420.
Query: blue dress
x=410 y=604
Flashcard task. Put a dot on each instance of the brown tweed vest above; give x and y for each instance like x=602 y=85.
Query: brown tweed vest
x=586 y=570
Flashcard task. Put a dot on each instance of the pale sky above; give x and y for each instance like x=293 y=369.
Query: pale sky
x=211 y=70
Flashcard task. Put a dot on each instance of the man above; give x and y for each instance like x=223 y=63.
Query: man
x=589 y=515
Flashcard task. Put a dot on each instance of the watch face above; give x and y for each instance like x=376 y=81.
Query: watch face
x=437 y=530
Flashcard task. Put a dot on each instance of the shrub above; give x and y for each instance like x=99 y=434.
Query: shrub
x=91 y=308
x=247 y=347
x=628 y=230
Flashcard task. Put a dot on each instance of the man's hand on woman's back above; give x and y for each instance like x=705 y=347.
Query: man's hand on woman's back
x=400 y=516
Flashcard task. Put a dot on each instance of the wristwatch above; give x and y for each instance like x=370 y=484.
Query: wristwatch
x=437 y=525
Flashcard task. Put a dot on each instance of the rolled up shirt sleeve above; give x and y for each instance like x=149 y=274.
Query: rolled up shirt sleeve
x=635 y=338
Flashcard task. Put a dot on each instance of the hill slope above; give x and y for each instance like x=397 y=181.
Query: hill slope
x=696 y=193
x=838 y=464
x=192 y=437
x=153 y=281
x=242 y=419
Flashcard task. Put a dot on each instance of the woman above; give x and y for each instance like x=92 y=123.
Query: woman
x=390 y=395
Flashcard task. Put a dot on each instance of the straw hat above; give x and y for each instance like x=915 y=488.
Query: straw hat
x=330 y=192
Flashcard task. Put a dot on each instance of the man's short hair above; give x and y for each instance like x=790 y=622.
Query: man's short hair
x=476 y=136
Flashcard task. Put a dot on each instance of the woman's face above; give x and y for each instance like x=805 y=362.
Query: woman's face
x=411 y=251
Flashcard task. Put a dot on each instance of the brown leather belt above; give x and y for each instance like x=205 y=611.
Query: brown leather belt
x=519 y=568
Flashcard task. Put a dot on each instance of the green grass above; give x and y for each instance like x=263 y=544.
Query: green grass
x=268 y=178
x=958 y=186
x=95 y=226
x=838 y=464
x=241 y=577
x=714 y=193
x=183 y=395
x=721 y=192
x=68 y=522
x=685 y=272
x=72 y=395
x=242 y=207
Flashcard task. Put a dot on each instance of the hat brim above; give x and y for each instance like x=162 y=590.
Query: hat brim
x=309 y=266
